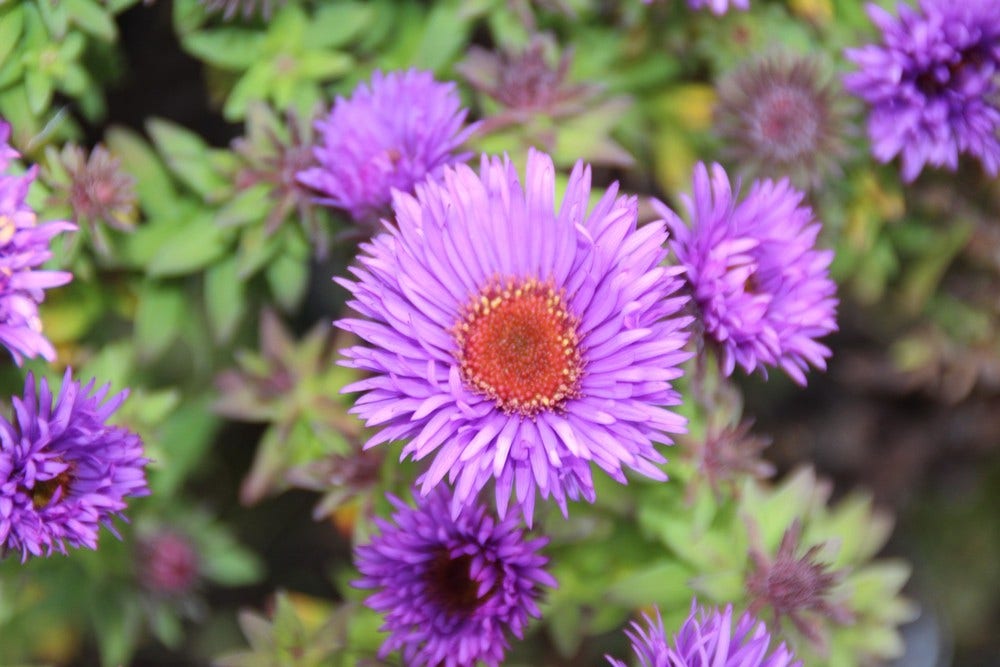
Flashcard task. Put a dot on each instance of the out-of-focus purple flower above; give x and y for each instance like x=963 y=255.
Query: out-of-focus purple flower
x=779 y=116
x=167 y=563
x=762 y=289
x=451 y=588
x=718 y=7
x=707 y=639
x=515 y=342
x=63 y=471
x=392 y=135
x=933 y=84
x=24 y=245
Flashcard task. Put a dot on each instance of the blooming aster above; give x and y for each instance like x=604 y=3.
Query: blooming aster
x=718 y=7
x=391 y=135
x=515 y=341
x=933 y=84
x=707 y=639
x=24 y=245
x=762 y=288
x=63 y=471
x=450 y=588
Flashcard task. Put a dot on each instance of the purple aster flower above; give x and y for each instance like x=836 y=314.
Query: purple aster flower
x=450 y=588
x=392 y=135
x=707 y=639
x=515 y=342
x=63 y=471
x=718 y=7
x=762 y=288
x=933 y=84
x=24 y=244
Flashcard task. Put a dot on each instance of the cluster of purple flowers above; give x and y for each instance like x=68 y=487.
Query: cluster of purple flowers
x=514 y=340
x=63 y=471
x=24 y=245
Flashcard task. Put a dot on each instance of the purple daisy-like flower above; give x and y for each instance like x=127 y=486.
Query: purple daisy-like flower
x=933 y=84
x=63 y=471
x=24 y=245
x=392 y=135
x=707 y=639
x=719 y=7
x=762 y=289
x=451 y=588
x=517 y=342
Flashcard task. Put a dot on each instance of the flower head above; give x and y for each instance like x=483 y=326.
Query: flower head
x=24 y=245
x=167 y=563
x=796 y=587
x=707 y=639
x=517 y=342
x=933 y=84
x=63 y=471
x=762 y=288
x=779 y=117
x=450 y=588
x=718 y=7
x=392 y=135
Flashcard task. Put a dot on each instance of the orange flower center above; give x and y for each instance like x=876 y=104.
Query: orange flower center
x=517 y=345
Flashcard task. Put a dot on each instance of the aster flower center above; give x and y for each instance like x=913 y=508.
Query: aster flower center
x=43 y=491
x=451 y=584
x=787 y=121
x=517 y=344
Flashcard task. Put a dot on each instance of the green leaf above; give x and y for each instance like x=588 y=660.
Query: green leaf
x=11 y=25
x=446 y=32
x=334 y=25
x=225 y=298
x=252 y=86
x=117 y=627
x=247 y=206
x=193 y=246
x=233 y=49
x=288 y=277
x=664 y=584
x=39 y=88
x=157 y=318
x=92 y=18
x=182 y=442
x=153 y=184
x=186 y=156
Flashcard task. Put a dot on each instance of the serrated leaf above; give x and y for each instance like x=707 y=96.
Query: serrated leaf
x=225 y=298
x=194 y=245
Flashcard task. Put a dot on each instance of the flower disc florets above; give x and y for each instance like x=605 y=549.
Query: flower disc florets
x=403 y=128
x=933 y=84
x=762 y=289
x=63 y=471
x=451 y=588
x=707 y=639
x=517 y=344
x=516 y=341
